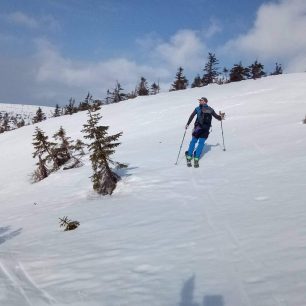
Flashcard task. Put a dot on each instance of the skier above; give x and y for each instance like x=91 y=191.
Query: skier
x=201 y=130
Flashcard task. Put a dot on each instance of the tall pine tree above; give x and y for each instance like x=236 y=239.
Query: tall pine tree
x=101 y=148
x=210 y=70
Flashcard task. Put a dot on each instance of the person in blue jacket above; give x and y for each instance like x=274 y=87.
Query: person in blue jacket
x=201 y=129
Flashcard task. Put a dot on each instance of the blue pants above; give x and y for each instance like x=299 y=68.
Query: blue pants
x=199 y=149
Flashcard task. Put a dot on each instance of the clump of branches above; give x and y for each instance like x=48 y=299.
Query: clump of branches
x=68 y=224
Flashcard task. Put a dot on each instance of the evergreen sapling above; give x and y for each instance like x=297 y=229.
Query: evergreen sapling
x=101 y=147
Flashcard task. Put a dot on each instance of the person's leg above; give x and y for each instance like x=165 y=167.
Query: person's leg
x=191 y=146
x=200 y=147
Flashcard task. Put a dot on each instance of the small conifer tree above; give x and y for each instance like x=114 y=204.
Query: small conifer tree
x=79 y=147
x=278 y=69
x=84 y=105
x=197 y=82
x=143 y=89
x=68 y=224
x=70 y=108
x=154 y=89
x=117 y=94
x=63 y=150
x=42 y=151
x=180 y=82
x=256 y=70
x=101 y=148
x=57 y=111
x=40 y=116
x=239 y=73
x=5 y=123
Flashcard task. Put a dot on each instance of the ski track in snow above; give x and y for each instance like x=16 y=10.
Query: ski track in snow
x=18 y=283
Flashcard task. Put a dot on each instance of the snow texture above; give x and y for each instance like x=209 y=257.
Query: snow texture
x=230 y=233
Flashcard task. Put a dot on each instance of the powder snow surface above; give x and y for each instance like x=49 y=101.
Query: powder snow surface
x=230 y=233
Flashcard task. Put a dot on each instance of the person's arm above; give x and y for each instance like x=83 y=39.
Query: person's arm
x=191 y=118
x=218 y=117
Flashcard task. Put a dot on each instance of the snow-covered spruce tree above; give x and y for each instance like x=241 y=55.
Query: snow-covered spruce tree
x=39 y=116
x=102 y=146
x=53 y=156
x=57 y=111
x=278 y=69
x=197 y=82
x=154 y=89
x=4 y=123
x=210 y=70
x=143 y=89
x=239 y=73
x=180 y=82
x=66 y=152
x=256 y=70
x=70 y=108
x=62 y=151
x=115 y=96
x=42 y=151
x=79 y=147
x=85 y=105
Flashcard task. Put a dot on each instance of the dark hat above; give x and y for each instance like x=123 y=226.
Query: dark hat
x=203 y=98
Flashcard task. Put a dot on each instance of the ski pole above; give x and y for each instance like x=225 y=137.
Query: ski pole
x=223 y=137
x=181 y=147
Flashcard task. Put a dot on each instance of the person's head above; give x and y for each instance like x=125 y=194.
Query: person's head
x=203 y=101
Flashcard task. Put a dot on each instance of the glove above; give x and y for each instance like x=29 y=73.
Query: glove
x=222 y=115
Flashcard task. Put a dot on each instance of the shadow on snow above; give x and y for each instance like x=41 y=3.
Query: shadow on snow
x=7 y=234
x=187 y=298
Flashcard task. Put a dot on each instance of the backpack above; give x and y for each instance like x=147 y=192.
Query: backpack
x=204 y=117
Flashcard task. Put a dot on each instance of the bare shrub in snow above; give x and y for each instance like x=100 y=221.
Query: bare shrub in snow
x=68 y=224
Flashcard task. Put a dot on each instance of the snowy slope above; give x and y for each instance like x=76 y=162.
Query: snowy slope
x=26 y=112
x=230 y=233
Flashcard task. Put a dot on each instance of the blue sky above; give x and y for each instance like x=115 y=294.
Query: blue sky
x=52 y=50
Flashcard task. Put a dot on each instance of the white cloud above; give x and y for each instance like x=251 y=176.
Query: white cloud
x=213 y=29
x=184 y=49
x=278 y=33
x=53 y=78
x=96 y=75
x=22 y=19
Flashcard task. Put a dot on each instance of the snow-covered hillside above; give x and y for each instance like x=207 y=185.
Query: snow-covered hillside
x=25 y=112
x=230 y=233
